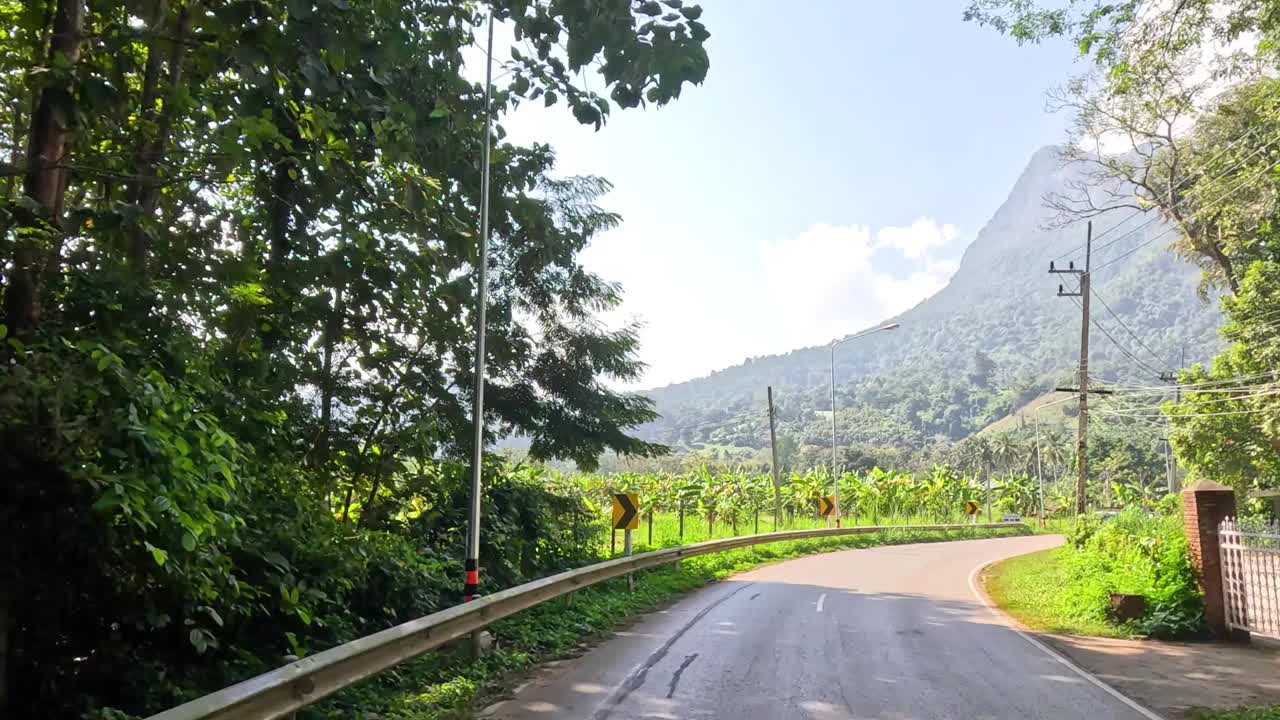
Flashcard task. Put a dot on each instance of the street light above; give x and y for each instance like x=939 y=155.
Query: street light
x=835 y=480
x=471 y=564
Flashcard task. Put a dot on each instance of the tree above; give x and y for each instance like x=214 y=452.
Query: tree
x=1159 y=68
x=240 y=266
x=1227 y=428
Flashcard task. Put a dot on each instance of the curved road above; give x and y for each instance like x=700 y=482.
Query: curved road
x=892 y=632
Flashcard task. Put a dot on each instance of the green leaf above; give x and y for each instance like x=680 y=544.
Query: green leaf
x=213 y=614
x=108 y=501
x=188 y=542
x=160 y=556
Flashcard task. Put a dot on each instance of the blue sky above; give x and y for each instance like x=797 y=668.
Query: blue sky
x=828 y=173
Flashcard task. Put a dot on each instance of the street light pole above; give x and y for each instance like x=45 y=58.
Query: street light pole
x=471 y=567
x=835 y=479
x=1039 y=470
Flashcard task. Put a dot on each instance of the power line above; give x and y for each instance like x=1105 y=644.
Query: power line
x=1200 y=387
x=1187 y=197
x=1132 y=334
x=1180 y=183
x=1220 y=198
x=1137 y=361
x=1190 y=195
x=1270 y=392
x=1196 y=415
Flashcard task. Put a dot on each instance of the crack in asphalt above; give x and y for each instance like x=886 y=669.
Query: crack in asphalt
x=675 y=679
x=637 y=676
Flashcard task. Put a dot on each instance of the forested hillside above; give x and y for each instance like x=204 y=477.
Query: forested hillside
x=997 y=336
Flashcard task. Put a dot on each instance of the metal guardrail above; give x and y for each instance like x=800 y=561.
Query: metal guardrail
x=304 y=682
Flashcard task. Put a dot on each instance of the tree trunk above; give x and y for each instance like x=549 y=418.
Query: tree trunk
x=368 y=503
x=318 y=455
x=146 y=190
x=45 y=179
x=346 y=503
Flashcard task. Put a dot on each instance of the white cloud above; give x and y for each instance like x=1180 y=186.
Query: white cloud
x=917 y=239
x=822 y=283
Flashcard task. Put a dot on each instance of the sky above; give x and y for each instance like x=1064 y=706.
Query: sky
x=828 y=174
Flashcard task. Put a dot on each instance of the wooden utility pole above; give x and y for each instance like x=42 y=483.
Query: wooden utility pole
x=773 y=447
x=1082 y=431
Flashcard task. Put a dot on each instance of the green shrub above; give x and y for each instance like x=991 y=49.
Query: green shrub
x=1134 y=553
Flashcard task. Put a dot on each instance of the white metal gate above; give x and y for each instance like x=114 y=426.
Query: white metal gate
x=1250 y=552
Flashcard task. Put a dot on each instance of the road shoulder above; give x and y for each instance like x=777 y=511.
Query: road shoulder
x=1173 y=679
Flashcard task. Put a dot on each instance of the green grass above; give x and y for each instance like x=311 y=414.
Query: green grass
x=1261 y=712
x=446 y=683
x=1029 y=587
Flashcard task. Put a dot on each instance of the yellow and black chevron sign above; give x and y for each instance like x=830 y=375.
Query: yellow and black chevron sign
x=826 y=505
x=626 y=512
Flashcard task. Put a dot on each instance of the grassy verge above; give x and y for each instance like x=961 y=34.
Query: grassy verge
x=447 y=684
x=1029 y=587
x=1267 y=712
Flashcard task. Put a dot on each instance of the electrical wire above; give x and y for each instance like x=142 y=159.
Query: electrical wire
x=1135 y=391
x=1220 y=198
x=1132 y=334
x=1272 y=392
x=1184 y=199
x=1178 y=186
x=1137 y=361
x=1187 y=197
x=1196 y=415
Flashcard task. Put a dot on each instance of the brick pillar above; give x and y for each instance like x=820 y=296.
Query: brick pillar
x=1205 y=504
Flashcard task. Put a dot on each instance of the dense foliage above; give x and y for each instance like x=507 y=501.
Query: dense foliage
x=1137 y=553
x=935 y=494
x=237 y=252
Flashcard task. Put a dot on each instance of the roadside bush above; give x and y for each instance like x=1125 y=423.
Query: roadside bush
x=1135 y=553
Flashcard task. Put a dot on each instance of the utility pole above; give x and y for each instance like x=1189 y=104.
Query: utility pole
x=1170 y=464
x=1082 y=431
x=773 y=447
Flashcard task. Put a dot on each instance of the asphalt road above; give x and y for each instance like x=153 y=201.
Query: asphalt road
x=892 y=633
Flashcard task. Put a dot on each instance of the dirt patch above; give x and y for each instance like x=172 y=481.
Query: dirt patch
x=1172 y=678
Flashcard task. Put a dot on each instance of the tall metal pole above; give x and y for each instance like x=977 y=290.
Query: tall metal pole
x=1039 y=471
x=472 y=566
x=1082 y=432
x=773 y=447
x=835 y=480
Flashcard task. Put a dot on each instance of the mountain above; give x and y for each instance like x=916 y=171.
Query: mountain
x=996 y=337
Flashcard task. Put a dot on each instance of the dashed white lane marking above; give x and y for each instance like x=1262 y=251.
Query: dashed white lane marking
x=821 y=599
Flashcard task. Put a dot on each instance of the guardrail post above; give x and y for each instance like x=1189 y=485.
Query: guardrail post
x=626 y=552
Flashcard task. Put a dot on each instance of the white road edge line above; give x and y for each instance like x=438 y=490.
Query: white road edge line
x=999 y=615
x=821 y=599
